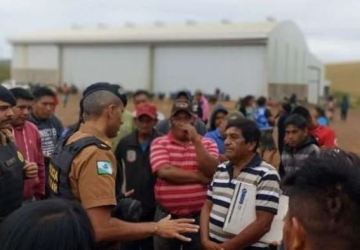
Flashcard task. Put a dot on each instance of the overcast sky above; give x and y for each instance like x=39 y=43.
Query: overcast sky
x=331 y=27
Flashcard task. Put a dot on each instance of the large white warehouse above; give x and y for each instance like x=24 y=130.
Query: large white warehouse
x=268 y=58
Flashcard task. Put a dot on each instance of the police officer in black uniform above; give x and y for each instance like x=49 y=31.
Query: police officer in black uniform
x=13 y=167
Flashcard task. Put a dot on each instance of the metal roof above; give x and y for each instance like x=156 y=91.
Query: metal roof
x=155 y=33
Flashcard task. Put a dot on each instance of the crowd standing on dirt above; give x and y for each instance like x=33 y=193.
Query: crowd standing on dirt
x=140 y=180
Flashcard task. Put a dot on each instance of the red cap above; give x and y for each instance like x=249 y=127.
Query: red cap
x=146 y=109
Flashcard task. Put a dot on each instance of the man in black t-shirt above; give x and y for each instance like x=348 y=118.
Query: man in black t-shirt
x=43 y=117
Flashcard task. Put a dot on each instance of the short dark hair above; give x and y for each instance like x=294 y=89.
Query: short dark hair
x=21 y=93
x=47 y=225
x=297 y=121
x=246 y=100
x=304 y=112
x=286 y=106
x=261 y=101
x=249 y=129
x=142 y=92
x=42 y=91
x=94 y=103
x=325 y=196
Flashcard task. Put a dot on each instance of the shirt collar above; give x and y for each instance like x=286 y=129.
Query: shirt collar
x=20 y=127
x=254 y=162
x=218 y=134
x=308 y=141
x=133 y=138
x=173 y=140
x=95 y=132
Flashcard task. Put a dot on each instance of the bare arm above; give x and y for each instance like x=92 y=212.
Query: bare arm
x=207 y=163
x=252 y=233
x=111 y=229
x=204 y=220
x=206 y=243
x=179 y=176
x=270 y=117
x=108 y=228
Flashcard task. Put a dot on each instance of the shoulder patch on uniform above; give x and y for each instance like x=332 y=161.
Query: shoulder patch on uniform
x=104 y=168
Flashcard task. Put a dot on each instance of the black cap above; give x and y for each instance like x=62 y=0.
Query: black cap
x=183 y=93
x=113 y=88
x=7 y=96
x=21 y=93
x=181 y=106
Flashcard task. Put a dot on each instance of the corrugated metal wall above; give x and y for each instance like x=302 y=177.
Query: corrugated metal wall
x=237 y=70
x=86 y=64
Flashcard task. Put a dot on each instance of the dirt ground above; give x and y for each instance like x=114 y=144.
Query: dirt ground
x=348 y=133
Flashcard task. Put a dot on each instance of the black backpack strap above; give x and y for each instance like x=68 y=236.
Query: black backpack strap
x=84 y=142
x=61 y=162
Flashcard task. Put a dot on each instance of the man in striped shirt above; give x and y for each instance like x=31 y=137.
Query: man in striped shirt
x=184 y=163
x=244 y=165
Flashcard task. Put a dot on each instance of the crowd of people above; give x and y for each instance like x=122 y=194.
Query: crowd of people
x=141 y=180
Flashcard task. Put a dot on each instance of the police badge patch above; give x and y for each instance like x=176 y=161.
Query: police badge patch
x=131 y=155
x=104 y=168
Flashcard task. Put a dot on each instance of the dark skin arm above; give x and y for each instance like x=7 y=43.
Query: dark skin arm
x=179 y=176
x=206 y=162
x=206 y=243
x=107 y=228
x=252 y=233
x=270 y=117
x=223 y=158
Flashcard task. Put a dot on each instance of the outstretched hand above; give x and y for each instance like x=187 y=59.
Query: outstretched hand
x=168 y=228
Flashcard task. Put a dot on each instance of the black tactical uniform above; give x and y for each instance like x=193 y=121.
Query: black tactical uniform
x=60 y=164
x=11 y=178
x=11 y=164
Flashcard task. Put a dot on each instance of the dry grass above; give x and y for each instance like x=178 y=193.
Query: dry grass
x=344 y=77
x=69 y=115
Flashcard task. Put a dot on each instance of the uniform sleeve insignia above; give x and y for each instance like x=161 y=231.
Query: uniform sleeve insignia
x=104 y=168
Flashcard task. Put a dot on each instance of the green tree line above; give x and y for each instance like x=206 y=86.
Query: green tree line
x=4 y=70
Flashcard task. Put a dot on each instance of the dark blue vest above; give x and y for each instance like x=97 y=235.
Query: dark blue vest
x=11 y=178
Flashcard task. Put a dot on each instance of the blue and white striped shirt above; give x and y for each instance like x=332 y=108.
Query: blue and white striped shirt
x=221 y=190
